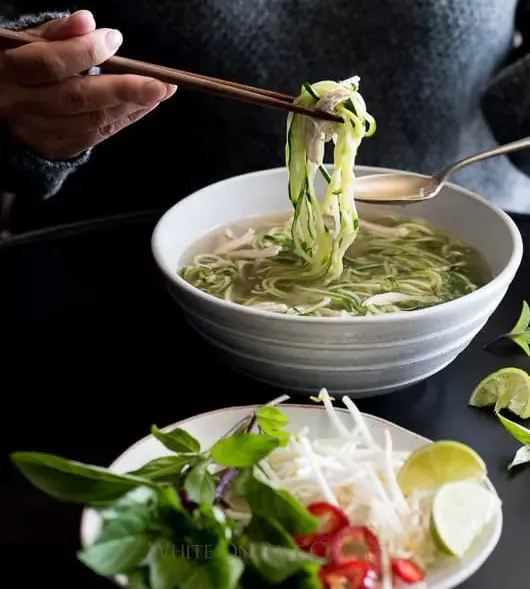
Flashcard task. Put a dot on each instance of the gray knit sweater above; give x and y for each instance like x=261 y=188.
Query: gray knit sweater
x=442 y=77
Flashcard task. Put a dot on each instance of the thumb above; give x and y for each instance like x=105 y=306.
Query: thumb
x=78 y=24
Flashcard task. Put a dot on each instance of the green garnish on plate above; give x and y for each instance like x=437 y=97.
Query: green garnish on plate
x=167 y=524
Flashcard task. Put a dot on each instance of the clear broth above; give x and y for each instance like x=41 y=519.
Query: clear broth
x=373 y=265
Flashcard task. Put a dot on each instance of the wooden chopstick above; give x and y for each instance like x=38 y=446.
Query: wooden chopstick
x=124 y=65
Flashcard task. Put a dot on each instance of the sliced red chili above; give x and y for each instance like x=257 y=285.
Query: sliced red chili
x=355 y=543
x=331 y=520
x=407 y=571
x=354 y=575
x=316 y=544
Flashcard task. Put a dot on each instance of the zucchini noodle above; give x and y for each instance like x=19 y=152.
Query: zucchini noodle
x=320 y=243
x=324 y=261
x=394 y=265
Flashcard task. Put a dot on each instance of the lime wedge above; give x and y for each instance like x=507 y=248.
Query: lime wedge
x=508 y=387
x=460 y=512
x=436 y=464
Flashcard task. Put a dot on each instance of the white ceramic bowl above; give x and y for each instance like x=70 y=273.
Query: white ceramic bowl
x=362 y=356
x=209 y=427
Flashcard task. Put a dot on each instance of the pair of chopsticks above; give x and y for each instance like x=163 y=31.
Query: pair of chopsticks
x=241 y=92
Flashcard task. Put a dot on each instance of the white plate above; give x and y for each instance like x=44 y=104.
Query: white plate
x=209 y=427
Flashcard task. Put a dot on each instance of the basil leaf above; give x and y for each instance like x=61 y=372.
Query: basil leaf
x=217 y=570
x=224 y=568
x=168 y=497
x=521 y=341
x=308 y=578
x=243 y=450
x=271 y=417
x=271 y=420
x=199 y=484
x=278 y=505
x=123 y=544
x=71 y=481
x=281 y=435
x=235 y=570
x=134 y=498
x=116 y=556
x=134 y=522
x=524 y=320
x=173 y=518
x=276 y=563
x=210 y=523
x=140 y=498
x=263 y=529
x=164 y=469
x=519 y=432
x=522 y=457
x=176 y=440
x=164 y=572
x=520 y=334
x=138 y=579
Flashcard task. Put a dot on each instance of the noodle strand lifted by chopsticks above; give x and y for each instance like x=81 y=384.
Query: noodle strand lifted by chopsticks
x=324 y=261
x=318 y=242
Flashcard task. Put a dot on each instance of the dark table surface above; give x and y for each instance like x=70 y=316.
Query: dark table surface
x=94 y=352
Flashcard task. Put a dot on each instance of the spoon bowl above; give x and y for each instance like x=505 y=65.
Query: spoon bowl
x=396 y=188
x=393 y=188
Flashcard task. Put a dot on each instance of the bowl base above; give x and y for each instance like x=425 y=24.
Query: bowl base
x=292 y=379
x=301 y=391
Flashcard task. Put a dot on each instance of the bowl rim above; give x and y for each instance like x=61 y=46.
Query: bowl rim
x=251 y=407
x=509 y=269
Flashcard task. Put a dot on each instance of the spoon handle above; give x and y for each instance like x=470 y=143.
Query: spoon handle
x=483 y=155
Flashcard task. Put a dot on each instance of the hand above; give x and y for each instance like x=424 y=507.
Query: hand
x=58 y=113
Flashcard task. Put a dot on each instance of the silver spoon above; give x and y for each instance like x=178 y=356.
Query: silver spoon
x=401 y=188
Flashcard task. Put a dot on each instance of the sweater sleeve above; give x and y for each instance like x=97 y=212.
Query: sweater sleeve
x=23 y=172
x=506 y=101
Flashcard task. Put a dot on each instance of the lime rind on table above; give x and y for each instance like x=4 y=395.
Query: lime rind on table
x=508 y=388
